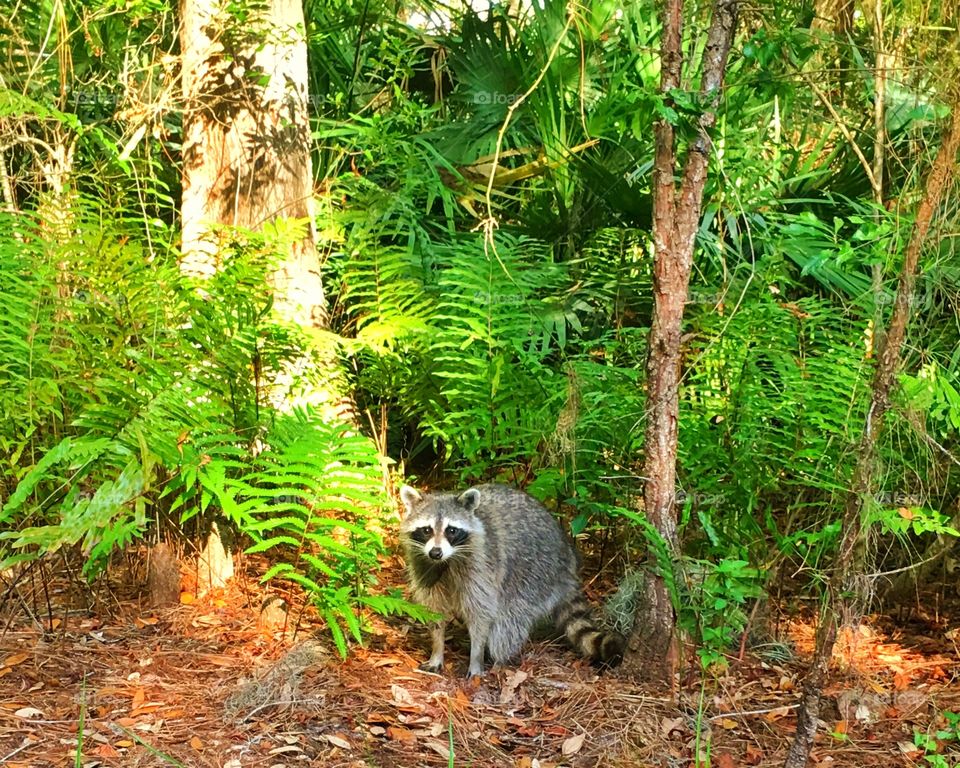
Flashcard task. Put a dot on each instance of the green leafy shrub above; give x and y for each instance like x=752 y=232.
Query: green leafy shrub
x=142 y=407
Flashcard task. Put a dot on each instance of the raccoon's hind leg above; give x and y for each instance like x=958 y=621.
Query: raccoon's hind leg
x=506 y=639
x=437 y=633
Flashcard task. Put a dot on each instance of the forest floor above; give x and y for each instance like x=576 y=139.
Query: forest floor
x=213 y=682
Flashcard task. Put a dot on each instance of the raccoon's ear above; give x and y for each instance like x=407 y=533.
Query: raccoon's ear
x=469 y=500
x=410 y=497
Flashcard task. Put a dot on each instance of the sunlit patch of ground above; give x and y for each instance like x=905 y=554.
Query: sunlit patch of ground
x=206 y=684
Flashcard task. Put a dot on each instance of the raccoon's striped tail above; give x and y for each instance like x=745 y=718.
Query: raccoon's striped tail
x=576 y=621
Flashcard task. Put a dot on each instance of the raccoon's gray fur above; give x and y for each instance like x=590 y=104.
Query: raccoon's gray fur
x=495 y=558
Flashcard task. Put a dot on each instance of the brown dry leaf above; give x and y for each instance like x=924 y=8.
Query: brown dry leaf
x=196 y=743
x=728 y=723
x=404 y=735
x=667 y=725
x=139 y=696
x=15 y=658
x=510 y=685
x=840 y=727
x=776 y=714
x=723 y=760
x=187 y=598
x=126 y=722
x=105 y=750
x=439 y=747
x=753 y=754
x=902 y=680
x=124 y=743
x=145 y=621
x=572 y=745
x=786 y=683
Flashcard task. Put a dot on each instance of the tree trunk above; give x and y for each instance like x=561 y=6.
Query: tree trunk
x=847 y=579
x=676 y=218
x=246 y=140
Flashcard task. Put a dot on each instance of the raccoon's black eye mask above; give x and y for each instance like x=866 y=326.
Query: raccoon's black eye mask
x=422 y=534
x=456 y=536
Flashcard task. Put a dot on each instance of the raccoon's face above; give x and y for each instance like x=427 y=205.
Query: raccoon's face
x=439 y=527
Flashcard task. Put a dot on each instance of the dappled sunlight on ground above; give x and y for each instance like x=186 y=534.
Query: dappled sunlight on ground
x=210 y=683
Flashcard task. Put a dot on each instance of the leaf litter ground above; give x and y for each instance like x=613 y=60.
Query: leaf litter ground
x=211 y=683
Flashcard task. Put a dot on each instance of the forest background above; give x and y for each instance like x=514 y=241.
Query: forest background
x=482 y=218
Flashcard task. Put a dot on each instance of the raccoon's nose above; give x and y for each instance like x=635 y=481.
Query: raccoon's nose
x=436 y=553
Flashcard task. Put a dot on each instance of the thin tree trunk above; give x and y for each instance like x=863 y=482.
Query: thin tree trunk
x=848 y=566
x=676 y=218
x=879 y=147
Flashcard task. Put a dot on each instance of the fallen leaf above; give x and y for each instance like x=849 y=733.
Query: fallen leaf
x=105 y=750
x=667 y=725
x=728 y=723
x=396 y=733
x=723 y=760
x=511 y=684
x=196 y=743
x=439 y=747
x=14 y=659
x=776 y=714
x=338 y=741
x=139 y=696
x=901 y=681
x=572 y=745
x=145 y=621
x=187 y=598
x=28 y=713
x=401 y=695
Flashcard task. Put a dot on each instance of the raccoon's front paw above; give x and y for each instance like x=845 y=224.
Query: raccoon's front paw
x=432 y=666
x=474 y=672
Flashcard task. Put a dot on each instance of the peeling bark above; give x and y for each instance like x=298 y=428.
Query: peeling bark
x=676 y=218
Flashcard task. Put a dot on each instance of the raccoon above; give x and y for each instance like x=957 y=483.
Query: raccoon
x=495 y=558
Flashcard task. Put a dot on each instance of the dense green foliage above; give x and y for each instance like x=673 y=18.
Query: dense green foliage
x=135 y=404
